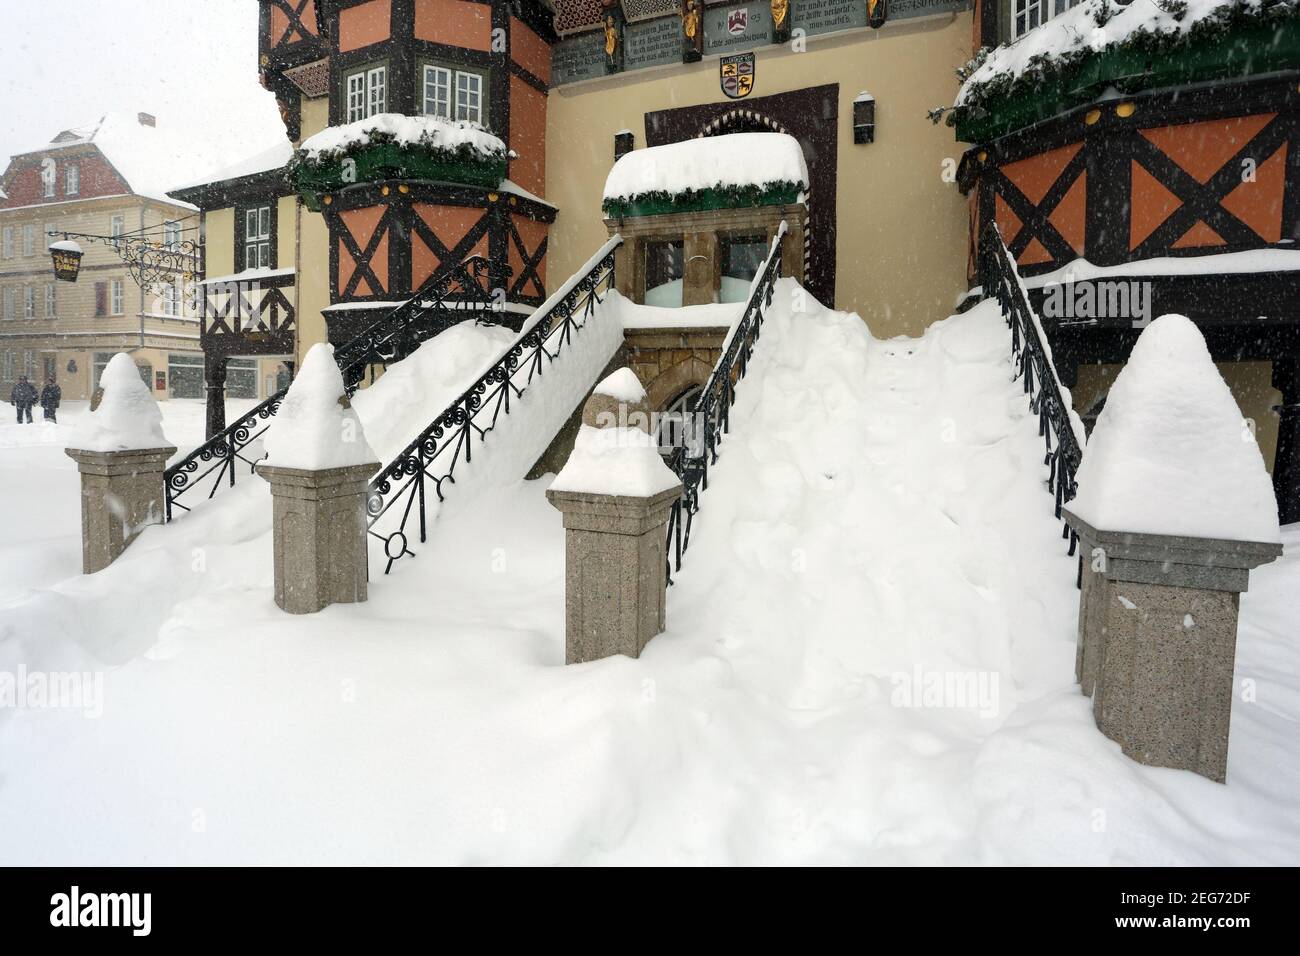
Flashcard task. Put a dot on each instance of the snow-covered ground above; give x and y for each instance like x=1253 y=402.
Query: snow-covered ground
x=877 y=519
x=39 y=487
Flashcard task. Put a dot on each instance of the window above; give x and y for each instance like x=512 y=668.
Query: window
x=257 y=238
x=663 y=273
x=29 y=239
x=29 y=302
x=437 y=91
x=367 y=93
x=49 y=228
x=1028 y=14
x=185 y=375
x=72 y=180
x=453 y=94
x=101 y=299
x=117 y=298
x=9 y=242
x=171 y=299
x=172 y=235
x=51 y=301
x=469 y=97
x=29 y=363
x=9 y=366
x=49 y=175
x=241 y=378
x=117 y=226
x=742 y=257
x=9 y=303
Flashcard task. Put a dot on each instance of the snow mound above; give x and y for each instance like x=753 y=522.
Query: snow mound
x=432 y=132
x=737 y=159
x=316 y=427
x=622 y=385
x=1077 y=30
x=127 y=418
x=623 y=460
x=1171 y=453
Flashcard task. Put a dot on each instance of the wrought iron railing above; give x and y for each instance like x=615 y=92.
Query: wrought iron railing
x=446 y=298
x=399 y=493
x=711 y=416
x=1034 y=367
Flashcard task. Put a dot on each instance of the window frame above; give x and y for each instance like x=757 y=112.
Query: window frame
x=268 y=238
x=29 y=302
x=7 y=242
x=116 y=226
x=51 y=301
x=50 y=186
x=29 y=239
x=1021 y=11
x=72 y=179
x=454 y=72
x=7 y=301
x=117 y=297
x=374 y=79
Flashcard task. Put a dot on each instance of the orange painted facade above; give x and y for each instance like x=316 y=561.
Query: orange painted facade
x=455 y=23
x=365 y=25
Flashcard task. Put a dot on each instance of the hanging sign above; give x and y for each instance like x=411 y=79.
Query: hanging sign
x=736 y=74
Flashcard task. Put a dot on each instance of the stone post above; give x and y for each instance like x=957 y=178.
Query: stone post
x=121 y=495
x=319 y=522
x=318 y=464
x=615 y=557
x=1157 y=641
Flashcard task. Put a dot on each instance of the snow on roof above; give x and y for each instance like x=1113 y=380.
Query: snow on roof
x=151 y=160
x=274 y=158
x=1076 y=29
x=736 y=159
x=1171 y=453
x=430 y=131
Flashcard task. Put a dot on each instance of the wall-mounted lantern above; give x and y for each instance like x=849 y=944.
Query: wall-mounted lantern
x=624 y=143
x=864 y=118
x=67 y=259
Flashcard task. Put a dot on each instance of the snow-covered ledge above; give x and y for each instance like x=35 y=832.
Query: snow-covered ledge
x=318 y=464
x=1174 y=509
x=615 y=493
x=121 y=453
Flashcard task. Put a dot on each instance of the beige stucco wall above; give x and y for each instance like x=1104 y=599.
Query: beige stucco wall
x=219 y=251
x=901 y=229
x=1251 y=384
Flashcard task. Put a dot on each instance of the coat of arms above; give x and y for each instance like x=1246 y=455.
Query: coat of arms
x=737 y=21
x=736 y=73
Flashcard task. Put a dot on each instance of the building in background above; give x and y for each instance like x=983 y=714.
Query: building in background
x=109 y=179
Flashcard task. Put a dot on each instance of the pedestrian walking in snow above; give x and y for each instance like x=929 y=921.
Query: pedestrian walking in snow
x=51 y=396
x=24 y=397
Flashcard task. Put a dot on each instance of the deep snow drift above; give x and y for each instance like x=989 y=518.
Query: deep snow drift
x=877 y=519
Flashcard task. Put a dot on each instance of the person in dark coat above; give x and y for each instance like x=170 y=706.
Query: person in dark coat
x=24 y=397
x=51 y=396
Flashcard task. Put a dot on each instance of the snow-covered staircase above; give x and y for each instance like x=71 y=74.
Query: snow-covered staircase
x=569 y=336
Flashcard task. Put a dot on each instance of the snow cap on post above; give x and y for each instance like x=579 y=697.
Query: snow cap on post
x=127 y=417
x=316 y=427
x=1171 y=453
x=615 y=452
